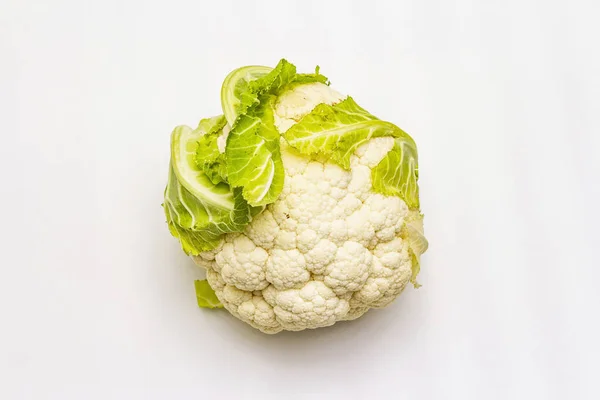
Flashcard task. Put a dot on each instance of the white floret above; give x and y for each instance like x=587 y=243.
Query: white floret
x=286 y=269
x=349 y=269
x=371 y=153
x=319 y=257
x=307 y=239
x=360 y=228
x=242 y=264
x=263 y=230
x=259 y=313
x=315 y=305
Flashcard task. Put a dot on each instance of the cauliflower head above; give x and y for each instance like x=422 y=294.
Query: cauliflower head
x=301 y=206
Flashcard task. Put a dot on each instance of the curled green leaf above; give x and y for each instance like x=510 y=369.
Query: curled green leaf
x=336 y=131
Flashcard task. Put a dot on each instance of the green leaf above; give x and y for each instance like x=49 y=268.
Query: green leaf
x=310 y=78
x=215 y=168
x=211 y=126
x=398 y=173
x=236 y=97
x=243 y=87
x=412 y=232
x=254 y=158
x=208 y=157
x=198 y=211
x=278 y=78
x=335 y=132
x=252 y=152
x=206 y=295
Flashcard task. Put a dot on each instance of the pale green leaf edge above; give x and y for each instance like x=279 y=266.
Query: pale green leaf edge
x=206 y=296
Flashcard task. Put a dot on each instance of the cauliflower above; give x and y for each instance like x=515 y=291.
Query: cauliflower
x=314 y=222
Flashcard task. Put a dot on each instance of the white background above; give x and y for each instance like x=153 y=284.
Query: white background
x=97 y=300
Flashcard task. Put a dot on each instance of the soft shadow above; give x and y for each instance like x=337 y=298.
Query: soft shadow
x=345 y=342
